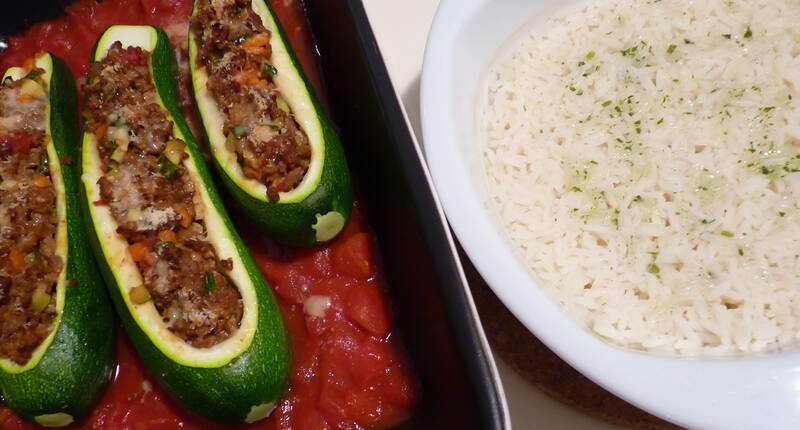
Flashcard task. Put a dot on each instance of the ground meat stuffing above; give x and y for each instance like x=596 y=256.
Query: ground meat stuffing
x=29 y=266
x=234 y=48
x=152 y=198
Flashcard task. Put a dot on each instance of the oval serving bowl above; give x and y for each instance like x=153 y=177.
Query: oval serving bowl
x=467 y=36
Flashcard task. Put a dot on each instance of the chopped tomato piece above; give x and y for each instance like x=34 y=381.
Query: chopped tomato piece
x=316 y=326
x=371 y=360
x=365 y=307
x=311 y=419
x=287 y=289
x=16 y=142
x=334 y=371
x=25 y=97
x=353 y=257
x=364 y=407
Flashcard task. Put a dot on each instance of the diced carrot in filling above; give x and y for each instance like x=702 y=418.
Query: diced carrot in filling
x=139 y=251
x=152 y=198
x=165 y=236
x=235 y=50
x=42 y=181
x=29 y=266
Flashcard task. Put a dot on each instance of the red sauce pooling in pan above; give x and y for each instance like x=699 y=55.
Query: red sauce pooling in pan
x=349 y=370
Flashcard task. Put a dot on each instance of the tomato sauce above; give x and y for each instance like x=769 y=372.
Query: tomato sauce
x=350 y=372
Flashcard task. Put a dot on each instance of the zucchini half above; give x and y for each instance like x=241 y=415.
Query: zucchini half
x=69 y=370
x=241 y=378
x=319 y=207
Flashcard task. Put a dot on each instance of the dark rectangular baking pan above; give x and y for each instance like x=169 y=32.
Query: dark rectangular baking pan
x=438 y=324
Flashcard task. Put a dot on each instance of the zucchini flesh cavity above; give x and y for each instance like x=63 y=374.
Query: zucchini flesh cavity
x=316 y=209
x=247 y=370
x=68 y=371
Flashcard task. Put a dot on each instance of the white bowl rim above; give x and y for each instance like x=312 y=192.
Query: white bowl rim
x=739 y=393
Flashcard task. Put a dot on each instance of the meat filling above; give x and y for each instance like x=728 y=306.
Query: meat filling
x=29 y=266
x=153 y=199
x=234 y=48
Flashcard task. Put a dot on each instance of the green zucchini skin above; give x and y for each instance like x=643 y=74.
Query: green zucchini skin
x=292 y=223
x=261 y=373
x=78 y=364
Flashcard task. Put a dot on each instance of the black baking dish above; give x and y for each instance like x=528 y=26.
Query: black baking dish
x=438 y=323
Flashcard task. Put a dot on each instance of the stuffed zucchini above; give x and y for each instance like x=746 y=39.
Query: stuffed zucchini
x=191 y=298
x=56 y=325
x=270 y=139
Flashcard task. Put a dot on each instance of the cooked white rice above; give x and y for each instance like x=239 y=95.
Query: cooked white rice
x=643 y=157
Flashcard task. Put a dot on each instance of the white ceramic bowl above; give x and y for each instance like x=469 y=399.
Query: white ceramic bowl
x=736 y=393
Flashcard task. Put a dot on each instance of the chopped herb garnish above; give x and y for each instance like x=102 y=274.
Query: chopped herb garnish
x=239 y=40
x=748 y=33
x=120 y=121
x=44 y=164
x=576 y=190
x=239 y=131
x=607 y=103
x=163 y=245
x=653 y=268
x=630 y=52
x=766 y=170
x=592 y=162
x=590 y=55
x=166 y=168
x=581 y=63
x=113 y=147
x=638 y=198
x=726 y=233
x=727 y=35
x=671 y=49
x=269 y=70
x=209 y=282
x=660 y=121
x=33 y=74
x=688 y=42
x=707 y=221
x=767 y=108
x=781 y=214
x=276 y=124
x=741 y=252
